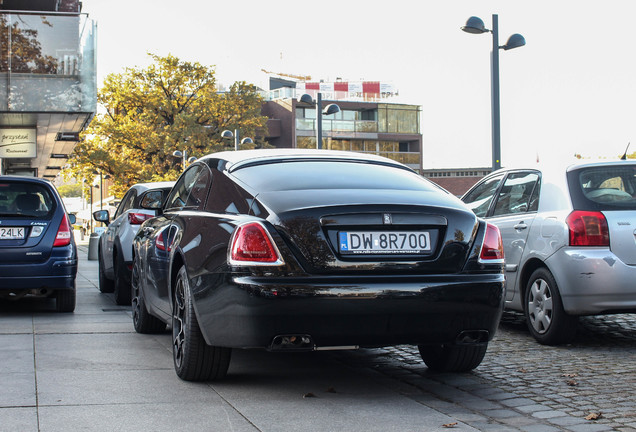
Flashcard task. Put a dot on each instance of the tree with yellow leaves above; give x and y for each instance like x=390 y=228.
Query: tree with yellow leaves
x=151 y=112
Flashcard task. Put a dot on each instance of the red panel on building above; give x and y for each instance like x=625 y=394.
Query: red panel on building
x=371 y=87
x=341 y=86
x=312 y=86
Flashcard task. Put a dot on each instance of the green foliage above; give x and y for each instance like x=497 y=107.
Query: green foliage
x=149 y=113
x=70 y=190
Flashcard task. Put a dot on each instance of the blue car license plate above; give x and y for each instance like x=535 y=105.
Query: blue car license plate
x=11 y=233
x=384 y=242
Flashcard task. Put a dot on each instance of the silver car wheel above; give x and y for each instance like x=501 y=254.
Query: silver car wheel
x=540 y=307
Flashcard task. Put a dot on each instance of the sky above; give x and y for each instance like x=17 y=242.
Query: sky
x=570 y=90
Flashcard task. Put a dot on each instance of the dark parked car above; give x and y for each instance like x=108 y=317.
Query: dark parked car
x=38 y=257
x=115 y=244
x=290 y=250
x=568 y=235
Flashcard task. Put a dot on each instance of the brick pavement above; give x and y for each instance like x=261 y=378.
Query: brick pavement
x=522 y=385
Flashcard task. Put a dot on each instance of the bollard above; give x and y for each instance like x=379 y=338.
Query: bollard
x=93 y=243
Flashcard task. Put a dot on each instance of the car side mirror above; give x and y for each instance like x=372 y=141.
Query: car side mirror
x=152 y=200
x=101 y=216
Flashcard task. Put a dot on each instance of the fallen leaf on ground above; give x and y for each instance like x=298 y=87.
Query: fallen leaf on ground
x=594 y=416
x=450 y=425
x=308 y=395
x=572 y=383
x=569 y=375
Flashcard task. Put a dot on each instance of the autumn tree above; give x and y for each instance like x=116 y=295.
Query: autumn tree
x=151 y=112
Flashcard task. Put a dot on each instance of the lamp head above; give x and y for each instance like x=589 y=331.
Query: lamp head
x=306 y=99
x=514 y=41
x=331 y=109
x=247 y=140
x=227 y=134
x=474 y=25
x=177 y=153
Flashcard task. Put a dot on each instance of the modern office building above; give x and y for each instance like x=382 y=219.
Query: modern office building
x=48 y=91
x=367 y=122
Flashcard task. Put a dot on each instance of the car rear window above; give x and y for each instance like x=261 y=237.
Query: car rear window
x=609 y=187
x=329 y=174
x=23 y=199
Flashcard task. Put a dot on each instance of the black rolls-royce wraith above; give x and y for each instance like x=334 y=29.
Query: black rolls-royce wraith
x=312 y=250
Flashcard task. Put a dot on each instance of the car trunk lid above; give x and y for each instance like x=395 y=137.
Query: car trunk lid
x=622 y=232
x=339 y=231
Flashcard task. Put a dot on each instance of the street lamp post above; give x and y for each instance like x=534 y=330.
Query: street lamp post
x=329 y=109
x=228 y=134
x=475 y=25
x=184 y=156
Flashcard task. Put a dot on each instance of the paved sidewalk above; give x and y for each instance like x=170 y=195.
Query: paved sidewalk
x=90 y=371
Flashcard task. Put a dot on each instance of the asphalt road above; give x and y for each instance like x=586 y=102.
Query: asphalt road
x=90 y=371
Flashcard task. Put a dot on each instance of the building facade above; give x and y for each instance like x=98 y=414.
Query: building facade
x=365 y=123
x=48 y=88
x=456 y=180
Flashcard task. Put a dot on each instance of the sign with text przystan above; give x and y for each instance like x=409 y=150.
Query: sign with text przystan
x=18 y=143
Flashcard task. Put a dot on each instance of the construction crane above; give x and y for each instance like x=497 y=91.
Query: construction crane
x=298 y=77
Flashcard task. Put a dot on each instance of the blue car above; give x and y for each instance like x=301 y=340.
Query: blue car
x=38 y=256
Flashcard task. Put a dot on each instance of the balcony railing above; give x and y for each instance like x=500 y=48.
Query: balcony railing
x=365 y=126
x=47 y=63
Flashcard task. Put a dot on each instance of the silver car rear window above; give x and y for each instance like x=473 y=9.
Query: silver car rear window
x=606 y=187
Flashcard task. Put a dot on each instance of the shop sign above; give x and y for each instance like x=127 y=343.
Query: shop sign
x=18 y=143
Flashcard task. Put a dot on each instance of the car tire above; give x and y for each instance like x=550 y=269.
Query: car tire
x=548 y=323
x=65 y=300
x=194 y=359
x=143 y=321
x=105 y=285
x=122 y=284
x=452 y=358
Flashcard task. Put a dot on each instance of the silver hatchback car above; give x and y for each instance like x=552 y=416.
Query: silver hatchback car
x=569 y=238
x=115 y=244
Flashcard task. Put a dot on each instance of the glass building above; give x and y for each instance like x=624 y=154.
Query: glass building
x=379 y=127
x=48 y=88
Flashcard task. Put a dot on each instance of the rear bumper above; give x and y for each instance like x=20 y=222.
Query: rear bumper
x=249 y=312
x=593 y=281
x=56 y=273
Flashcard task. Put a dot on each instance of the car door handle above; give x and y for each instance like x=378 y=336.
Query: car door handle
x=520 y=226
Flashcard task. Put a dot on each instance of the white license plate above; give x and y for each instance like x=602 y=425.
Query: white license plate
x=384 y=242
x=11 y=233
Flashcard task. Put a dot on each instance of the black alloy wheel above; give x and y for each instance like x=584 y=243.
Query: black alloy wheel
x=194 y=359
x=143 y=321
x=548 y=323
x=452 y=358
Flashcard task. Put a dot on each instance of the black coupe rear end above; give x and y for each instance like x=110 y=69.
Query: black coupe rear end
x=314 y=250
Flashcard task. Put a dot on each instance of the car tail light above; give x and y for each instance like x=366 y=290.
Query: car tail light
x=138 y=218
x=252 y=244
x=492 y=248
x=587 y=228
x=63 y=237
x=160 y=242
